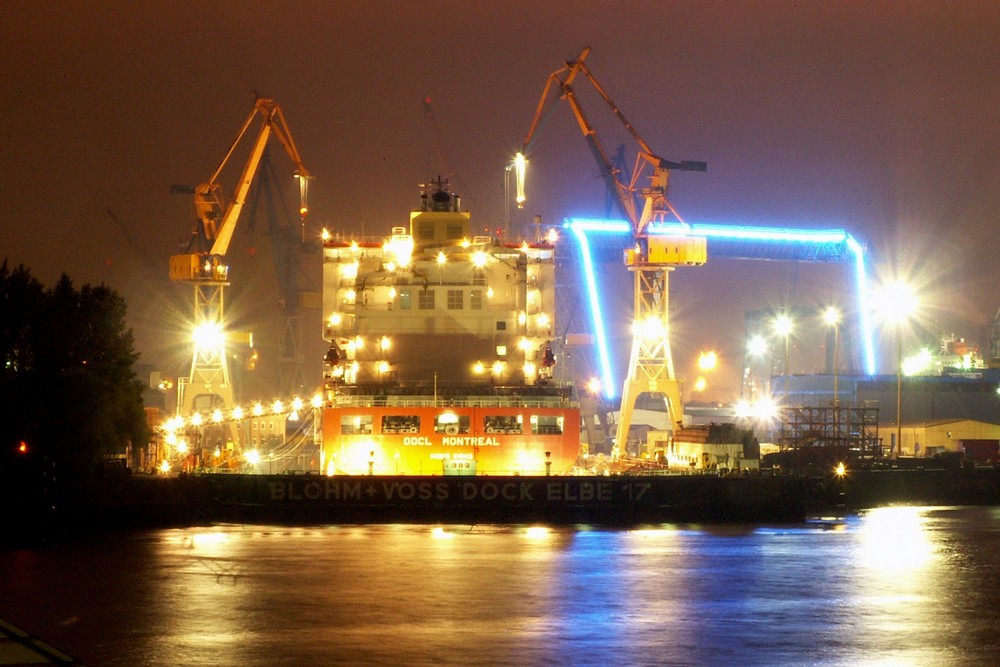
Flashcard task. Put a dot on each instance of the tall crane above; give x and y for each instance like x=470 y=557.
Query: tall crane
x=297 y=296
x=654 y=255
x=208 y=387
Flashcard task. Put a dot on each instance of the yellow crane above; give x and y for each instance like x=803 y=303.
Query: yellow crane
x=204 y=266
x=653 y=256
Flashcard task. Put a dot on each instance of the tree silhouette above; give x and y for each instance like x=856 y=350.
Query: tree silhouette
x=67 y=381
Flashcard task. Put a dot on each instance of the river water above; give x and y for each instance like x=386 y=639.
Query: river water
x=892 y=586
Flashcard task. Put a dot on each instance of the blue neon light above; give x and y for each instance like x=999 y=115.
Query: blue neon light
x=595 y=311
x=587 y=225
x=581 y=226
x=864 y=309
x=780 y=234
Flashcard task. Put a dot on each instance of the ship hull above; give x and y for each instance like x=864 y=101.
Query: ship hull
x=473 y=439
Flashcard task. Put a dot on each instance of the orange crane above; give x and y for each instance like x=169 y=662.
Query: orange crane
x=208 y=387
x=653 y=256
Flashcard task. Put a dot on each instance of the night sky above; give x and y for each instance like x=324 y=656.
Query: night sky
x=882 y=118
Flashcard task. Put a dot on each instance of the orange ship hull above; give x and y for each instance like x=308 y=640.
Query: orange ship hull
x=391 y=440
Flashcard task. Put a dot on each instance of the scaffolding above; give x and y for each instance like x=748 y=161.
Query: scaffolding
x=852 y=431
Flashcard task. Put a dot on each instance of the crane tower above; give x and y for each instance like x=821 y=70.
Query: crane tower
x=654 y=254
x=209 y=388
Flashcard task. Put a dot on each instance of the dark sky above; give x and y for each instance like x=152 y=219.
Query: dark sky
x=879 y=117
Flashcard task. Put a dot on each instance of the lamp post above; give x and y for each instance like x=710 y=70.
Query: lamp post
x=899 y=388
x=756 y=346
x=707 y=362
x=832 y=317
x=783 y=327
x=898 y=304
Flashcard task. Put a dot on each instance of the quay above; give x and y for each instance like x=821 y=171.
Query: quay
x=138 y=501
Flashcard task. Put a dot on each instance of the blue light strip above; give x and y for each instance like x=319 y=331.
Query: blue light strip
x=751 y=233
x=588 y=225
x=581 y=226
x=596 y=313
x=864 y=308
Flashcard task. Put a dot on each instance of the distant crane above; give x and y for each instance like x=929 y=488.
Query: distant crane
x=209 y=387
x=440 y=147
x=287 y=248
x=653 y=256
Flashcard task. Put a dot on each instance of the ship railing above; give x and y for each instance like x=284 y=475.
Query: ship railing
x=359 y=401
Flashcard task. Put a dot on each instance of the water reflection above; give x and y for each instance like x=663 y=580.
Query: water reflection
x=896 y=541
x=893 y=586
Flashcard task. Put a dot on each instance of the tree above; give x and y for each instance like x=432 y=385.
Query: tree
x=67 y=375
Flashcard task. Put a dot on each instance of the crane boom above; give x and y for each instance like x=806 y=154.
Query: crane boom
x=217 y=222
x=624 y=189
x=209 y=385
x=653 y=256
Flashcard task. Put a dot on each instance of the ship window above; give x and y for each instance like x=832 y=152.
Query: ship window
x=476 y=299
x=501 y=326
x=455 y=231
x=405 y=299
x=400 y=424
x=425 y=300
x=502 y=424
x=451 y=424
x=478 y=277
x=355 y=424
x=546 y=425
x=425 y=231
x=455 y=300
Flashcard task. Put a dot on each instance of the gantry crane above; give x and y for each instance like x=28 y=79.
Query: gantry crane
x=208 y=387
x=654 y=255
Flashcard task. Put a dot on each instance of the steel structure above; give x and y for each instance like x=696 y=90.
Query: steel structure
x=297 y=295
x=653 y=256
x=851 y=432
x=208 y=386
x=731 y=242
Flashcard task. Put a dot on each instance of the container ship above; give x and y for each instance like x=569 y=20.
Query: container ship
x=442 y=351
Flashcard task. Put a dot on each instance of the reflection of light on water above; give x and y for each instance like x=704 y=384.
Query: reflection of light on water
x=439 y=533
x=663 y=541
x=898 y=555
x=537 y=532
x=209 y=540
x=895 y=540
x=213 y=543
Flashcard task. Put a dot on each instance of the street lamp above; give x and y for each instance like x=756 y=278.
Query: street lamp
x=783 y=327
x=832 y=317
x=897 y=304
x=708 y=361
x=756 y=347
